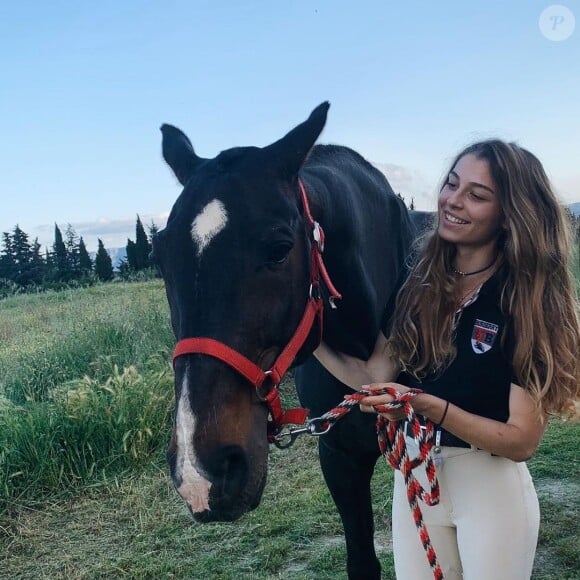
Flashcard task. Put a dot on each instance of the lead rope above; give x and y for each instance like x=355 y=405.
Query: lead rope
x=393 y=447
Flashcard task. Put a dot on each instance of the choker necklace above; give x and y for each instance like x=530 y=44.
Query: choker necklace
x=460 y=273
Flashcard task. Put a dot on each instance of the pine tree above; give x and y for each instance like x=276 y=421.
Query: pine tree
x=103 y=264
x=22 y=252
x=61 y=265
x=153 y=229
x=7 y=260
x=72 y=251
x=85 y=262
x=142 y=246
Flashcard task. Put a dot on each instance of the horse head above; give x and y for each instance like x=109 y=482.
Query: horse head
x=235 y=261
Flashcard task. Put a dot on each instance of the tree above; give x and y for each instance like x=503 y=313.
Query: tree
x=7 y=259
x=131 y=255
x=103 y=264
x=22 y=253
x=61 y=265
x=142 y=246
x=153 y=229
x=72 y=252
x=85 y=262
x=38 y=265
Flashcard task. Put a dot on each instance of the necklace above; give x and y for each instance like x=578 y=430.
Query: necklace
x=460 y=273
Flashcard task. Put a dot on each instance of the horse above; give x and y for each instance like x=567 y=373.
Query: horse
x=235 y=257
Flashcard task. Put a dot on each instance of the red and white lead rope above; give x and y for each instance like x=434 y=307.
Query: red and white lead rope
x=391 y=435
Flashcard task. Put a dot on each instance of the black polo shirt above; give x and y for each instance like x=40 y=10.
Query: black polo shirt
x=479 y=378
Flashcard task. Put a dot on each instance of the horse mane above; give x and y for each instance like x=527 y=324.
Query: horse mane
x=341 y=153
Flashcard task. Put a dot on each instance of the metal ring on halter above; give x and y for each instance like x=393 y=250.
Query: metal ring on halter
x=311 y=292
x=273 y=385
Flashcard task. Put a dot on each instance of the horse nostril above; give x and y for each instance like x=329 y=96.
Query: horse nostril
x=229 y=470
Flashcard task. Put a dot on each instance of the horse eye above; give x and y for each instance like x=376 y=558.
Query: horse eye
x=278 y=253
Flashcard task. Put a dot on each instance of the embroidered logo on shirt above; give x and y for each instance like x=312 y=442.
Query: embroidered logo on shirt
x=483 y=336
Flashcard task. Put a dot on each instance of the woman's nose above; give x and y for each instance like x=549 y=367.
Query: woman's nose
x=455 y=198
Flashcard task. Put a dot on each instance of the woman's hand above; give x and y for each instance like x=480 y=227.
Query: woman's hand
x=367 y=404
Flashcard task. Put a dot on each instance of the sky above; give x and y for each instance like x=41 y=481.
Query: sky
x=85 y=86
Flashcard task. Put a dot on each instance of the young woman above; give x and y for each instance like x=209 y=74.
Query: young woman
x=486 y=325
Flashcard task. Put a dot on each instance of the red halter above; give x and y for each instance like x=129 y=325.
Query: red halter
x=271 y=378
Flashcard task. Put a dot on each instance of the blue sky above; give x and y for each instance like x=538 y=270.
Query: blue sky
x=84 y=87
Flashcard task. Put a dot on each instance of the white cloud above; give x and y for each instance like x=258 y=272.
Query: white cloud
x=410 y=183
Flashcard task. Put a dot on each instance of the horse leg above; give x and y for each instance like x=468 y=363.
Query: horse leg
x=348 y=479
x=348 y=454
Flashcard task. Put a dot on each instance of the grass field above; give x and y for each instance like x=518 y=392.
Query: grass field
x=77 y=504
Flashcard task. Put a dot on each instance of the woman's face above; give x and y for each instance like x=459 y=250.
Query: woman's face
x=469 y=208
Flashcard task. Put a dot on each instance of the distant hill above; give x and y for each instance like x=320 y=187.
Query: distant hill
x=575 y=208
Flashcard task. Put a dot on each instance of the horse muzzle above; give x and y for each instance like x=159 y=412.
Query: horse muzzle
x=223 y=489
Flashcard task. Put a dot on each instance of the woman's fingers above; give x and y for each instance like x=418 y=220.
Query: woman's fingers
x=376 y=403
x=376 y=400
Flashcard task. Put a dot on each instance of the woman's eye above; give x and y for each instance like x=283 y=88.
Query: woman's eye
x=476 y=196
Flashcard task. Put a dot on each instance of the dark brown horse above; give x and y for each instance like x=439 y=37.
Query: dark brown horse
x=235 y=258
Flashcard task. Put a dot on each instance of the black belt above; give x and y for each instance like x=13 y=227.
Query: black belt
x=447 y=439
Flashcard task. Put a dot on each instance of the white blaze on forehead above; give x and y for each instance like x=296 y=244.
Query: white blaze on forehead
x=211 y=221
x=194 y=488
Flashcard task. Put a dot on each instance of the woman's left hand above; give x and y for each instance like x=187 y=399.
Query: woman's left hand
x=367 y=404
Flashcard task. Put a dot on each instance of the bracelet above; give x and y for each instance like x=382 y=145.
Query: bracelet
x=444 y=414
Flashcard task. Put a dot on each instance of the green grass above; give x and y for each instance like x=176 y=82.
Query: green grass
x=84 y=483
x=51 y=338
x=87 y=386
x=137 y=527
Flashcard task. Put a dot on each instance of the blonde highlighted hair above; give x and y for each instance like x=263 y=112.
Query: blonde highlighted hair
x=537 y=289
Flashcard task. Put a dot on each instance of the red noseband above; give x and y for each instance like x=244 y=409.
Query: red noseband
x=268 y=381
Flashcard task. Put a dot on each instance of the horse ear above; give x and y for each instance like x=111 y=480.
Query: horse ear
x=178 y=153
x=289 y=153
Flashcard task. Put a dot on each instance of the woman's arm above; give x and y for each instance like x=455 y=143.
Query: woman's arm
x=517 y=439
x=354 y=372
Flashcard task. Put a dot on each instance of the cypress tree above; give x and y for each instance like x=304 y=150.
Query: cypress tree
x=131 y=255
x=103 y=264
x=38 y=266
x=61 y=265
x=142 y=246
x=85 y=262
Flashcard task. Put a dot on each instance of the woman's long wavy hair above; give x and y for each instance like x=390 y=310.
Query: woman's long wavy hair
x=537 y=288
